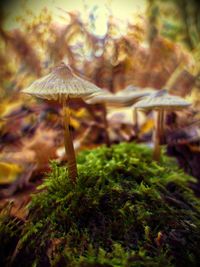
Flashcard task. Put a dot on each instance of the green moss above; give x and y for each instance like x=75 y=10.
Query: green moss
x=126 y=210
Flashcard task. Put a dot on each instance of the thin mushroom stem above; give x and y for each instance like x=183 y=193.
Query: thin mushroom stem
x=157 y=149
x=162 y=120
x=135 y=121
x=69 y=147
x=105 y=121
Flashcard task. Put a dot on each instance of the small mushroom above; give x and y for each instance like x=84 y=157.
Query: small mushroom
x=101 y=98
x=128 y=89
x=161 y=101
x=135 y=94
x=123 y=98
x=62 y=84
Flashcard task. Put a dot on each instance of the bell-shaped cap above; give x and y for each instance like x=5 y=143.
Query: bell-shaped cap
x=162 y=100
x=60 y=82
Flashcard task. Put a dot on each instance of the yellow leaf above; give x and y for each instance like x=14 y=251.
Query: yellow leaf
x=75 y=123
x=82 y=112
x=9 y=172
x=7 y=107
x=147 y=126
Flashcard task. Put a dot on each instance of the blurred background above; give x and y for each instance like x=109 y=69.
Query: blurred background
x=114 y=44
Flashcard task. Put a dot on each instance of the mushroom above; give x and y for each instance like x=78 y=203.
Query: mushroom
x=123 y=98
x=101 y=98
x=120 y=99
x=135 y=94
x=161 y=101
x=62 y=84
x=128 y=89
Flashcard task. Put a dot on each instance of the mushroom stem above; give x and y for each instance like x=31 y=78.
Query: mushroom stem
x=69 y=147
x=162 y=118
x=135 y=121
x=157 y=149
x=105 y=121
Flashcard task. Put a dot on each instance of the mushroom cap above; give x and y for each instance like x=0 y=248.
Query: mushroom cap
x=100 y=97
x=113 y=100
x=133 y=90
x=120 y=99
x=128 y=89
x=162 y=100
x=61 y=81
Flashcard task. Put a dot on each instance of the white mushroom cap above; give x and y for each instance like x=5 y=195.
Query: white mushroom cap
x=127 y=90
x=118 y=100
x=100 y=97
x=133 y=90
x=162 y=100
x=61 y=82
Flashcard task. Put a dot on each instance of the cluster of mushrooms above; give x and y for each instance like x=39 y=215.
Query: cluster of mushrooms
x=62 y=84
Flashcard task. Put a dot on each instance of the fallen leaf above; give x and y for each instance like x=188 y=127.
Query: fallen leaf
x=9 y=172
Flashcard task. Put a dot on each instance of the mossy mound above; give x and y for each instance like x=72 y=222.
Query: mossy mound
x=126 y=210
